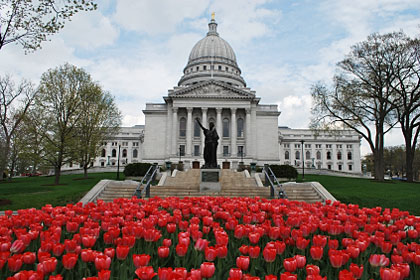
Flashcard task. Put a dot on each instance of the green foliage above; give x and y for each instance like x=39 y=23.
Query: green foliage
x=136 y=169
x=29 y=23
x=284 y=171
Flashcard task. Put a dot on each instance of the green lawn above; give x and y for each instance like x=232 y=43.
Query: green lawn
x=368 y=193
x=38 y=191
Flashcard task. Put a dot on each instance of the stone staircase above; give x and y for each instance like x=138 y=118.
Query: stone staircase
x=185 y=183
x=302 y=192
x=117 y=189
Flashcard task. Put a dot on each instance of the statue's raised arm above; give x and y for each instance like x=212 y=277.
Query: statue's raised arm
x=199 y=123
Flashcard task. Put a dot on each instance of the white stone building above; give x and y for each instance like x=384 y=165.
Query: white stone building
x=213 y=90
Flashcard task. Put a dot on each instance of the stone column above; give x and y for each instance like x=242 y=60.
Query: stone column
x=219 y=130
x=248 y=137
x=168 y=131
x=233 y=150
x=205 y=124
x=174 y=130
x=189 y=131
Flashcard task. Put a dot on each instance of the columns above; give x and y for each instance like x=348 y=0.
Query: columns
x=168 y=132
x=189 y=132
x=248 y=132
x=219 y=130
x=174 y=129
x=205 y=124
x=233 y=135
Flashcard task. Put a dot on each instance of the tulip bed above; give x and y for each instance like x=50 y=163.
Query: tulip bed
x=209 y=238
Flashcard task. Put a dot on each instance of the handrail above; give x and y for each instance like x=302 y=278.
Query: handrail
x=268 y=172
x=150 y=174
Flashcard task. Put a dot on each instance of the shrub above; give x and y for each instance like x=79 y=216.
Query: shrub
x=284 y=171
x=136 y=169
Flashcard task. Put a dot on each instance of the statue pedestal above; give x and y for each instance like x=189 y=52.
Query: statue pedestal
x=210 y=180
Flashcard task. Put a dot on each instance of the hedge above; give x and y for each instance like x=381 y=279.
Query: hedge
x=136 y=169
x=284 y=171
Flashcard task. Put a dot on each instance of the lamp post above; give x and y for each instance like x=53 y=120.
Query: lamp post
x=303 y=161
x=118 y=163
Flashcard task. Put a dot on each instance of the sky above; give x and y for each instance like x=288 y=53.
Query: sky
x=137 y=49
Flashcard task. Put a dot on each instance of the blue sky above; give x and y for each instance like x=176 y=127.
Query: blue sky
x=137 y=49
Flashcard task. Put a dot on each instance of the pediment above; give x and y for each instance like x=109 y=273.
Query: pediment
x=211 y=89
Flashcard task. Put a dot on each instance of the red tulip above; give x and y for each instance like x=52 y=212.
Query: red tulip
x=167 y=242
x=356 y=270
x=280 y=247
x=290 y=264
x=302 y=243
x=180 y=273
x=48 y=265
x=210 y=253
x=389 y=274
x=221 y=251
x=181 y=250
x=207 y=269
x=88 y=241
x=17 y=247
x=102 y=262
x=69 y=260
x=72 y=227
x=353 y=250
x=244 y=249
x=378 y=260
x=201 y=244
x=333 y=244
x=29 y=258
x=195 y=274
x=145 y=272
x=122 y=252
x=14 y=263
x=254 y=237
x=254 y=251
x=312 y=269
x=288 y=276
x=58 y=249
x=270 y=277
x=317 y=252
x=88 y=255
x=242 y=262
x=336 y=259
x=163 y=252
x=164 y=273
x=235 y=273
x=319 y=241
x=269 y=254
x=300 y=261
x=104 y=275
x=171 y=228
x=141 y=260
x=110 y=252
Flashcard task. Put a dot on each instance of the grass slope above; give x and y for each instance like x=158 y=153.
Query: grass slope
x=369 y=193
x=38 y=191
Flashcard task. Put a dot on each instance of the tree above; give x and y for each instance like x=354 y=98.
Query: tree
x=100 y=119
x=29 y=23
x=406 y=87
x=14 y=104
x=362 y=95
x=59 y=100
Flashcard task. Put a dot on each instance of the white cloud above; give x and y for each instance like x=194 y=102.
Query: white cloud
x=90 y=30
x=158 y=16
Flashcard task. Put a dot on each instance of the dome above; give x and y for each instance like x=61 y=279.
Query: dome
x=212 y=58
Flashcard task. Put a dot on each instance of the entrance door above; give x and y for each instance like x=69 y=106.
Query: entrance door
x=196 y=165
x=226 y=165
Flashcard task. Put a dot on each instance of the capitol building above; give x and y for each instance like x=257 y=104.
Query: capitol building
x=212 y=89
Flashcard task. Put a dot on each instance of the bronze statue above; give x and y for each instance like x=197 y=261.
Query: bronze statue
x=210 y=147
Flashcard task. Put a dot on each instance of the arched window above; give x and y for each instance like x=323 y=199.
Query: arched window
x=286 y=155
x=182 y=127
x=114 y=153
x=339 y=155
x=135 y=153
x=240 y=127
x=308 y=155
x=328 y=155
x=124 y=153
x=103 y=154
x=297 y=155
x=225 y=128
x=196 y=129
x=318 y=155
x=349 y=156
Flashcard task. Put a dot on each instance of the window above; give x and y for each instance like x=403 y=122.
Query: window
x=329 y=166
x=114 y=143
x=286 y=155
x=241 y=151
x=227 y=68
x=225 y=128
x=297 y=155
x=297 y=146
x=135 y=144
x=307 y=146
x=339 y=146
x=328 y=146
x=349 y=156
x=308 y=155
x=102 y=164
x=220 y=67
x=71 y=164
x=286 y=145
x=225 y=150
x=204 y=67
x=103 y=154
x=196 y=150
x=318 y=146
x=196 y=129
x=318 y=155
x=182 y=150
x=135 y=153
x=125 y=144
x=124 y=153
x=114 y=153
x=182 y=127
x=350 y=167
x=340 y=167
x=339 y=155
x=329 y=155
x=240 y=127
x=349 y=146
x=198 y=68
x=113 y=163
x=104 y=143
